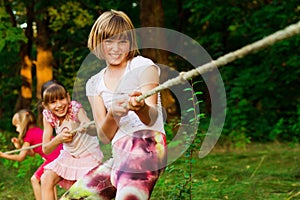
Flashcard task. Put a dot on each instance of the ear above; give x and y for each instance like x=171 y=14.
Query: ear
x=44 y=105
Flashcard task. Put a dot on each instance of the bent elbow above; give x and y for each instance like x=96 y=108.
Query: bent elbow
x=20 y=159
x=45 y=150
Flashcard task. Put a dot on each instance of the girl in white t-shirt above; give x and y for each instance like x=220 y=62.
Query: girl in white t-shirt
x=135 y=129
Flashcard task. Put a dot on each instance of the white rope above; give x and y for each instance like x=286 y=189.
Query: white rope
x=285 y=33
x=40 y=144
x=25 y=148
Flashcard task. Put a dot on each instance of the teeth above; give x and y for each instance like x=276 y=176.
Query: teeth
x=60 y=110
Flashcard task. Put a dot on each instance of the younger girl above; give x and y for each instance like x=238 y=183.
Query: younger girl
x=30 y=134
x=81 y=152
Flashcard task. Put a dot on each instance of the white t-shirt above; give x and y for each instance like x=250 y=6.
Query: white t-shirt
x=130 y=82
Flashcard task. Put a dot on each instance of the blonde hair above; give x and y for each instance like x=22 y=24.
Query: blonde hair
x=112 y=24
x=24 y=118
x=53 y=92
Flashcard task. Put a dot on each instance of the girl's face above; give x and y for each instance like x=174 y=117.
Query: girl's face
x=115 y=51
x=59 y=107
x=18 y=128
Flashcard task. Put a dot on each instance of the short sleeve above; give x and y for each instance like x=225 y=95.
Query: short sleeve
x=142 y=63
x=34 y=136
x=29 y=137
x=49 y=117
x=74 y=110
x=92 y=85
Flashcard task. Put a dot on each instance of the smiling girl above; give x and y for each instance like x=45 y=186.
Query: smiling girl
x=81 y=152
x=134 y=129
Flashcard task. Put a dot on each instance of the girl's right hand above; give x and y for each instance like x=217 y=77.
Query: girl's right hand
x=66 y=136
x=119 y=107
x=16 y=142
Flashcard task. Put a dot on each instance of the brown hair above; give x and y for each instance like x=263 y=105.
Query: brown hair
x=53 y=92
x=24 y=118
x=112 y=24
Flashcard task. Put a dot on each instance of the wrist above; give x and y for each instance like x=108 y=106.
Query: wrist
x=144 y=108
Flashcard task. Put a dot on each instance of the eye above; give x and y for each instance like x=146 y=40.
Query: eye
x=124 y=41
x=108 y=41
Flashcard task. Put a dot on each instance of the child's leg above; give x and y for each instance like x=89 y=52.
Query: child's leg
x=95 y=185
x=55 y=192
x=48 y=182
x=139 y=160
x=36 y=187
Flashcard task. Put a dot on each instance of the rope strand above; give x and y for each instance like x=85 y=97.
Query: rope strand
x=285 y=33
x=40 y=144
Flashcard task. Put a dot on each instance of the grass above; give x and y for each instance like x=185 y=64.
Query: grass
x=261 y=171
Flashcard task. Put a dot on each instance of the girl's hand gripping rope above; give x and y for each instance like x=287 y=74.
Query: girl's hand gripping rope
x=134 y=104
x=16 y=142
x=66 y=136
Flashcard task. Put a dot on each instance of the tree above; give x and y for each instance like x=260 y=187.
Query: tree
x=259 y=84
x=34 y=15
x=152 y=15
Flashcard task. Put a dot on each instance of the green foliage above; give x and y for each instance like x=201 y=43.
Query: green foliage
x=191 y=140
x=24 y=169
x=258 y=86
x=10 y=40
x=261 y=88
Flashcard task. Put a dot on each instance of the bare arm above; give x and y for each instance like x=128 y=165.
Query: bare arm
x=49 y=143
x=146 y=109
x=105 y=123
x=17 y=157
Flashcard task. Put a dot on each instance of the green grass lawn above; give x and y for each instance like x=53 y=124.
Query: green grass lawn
x=261 y=171
x=269 y=171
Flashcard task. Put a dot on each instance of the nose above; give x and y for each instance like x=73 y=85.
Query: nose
x=115 y=45
x=58 y=103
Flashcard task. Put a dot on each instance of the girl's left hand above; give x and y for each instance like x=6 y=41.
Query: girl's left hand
x=133 y=104
x=65 y=136
x=16 y=142
x=119 y=106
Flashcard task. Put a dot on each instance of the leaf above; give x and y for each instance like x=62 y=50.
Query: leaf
x=2 y=44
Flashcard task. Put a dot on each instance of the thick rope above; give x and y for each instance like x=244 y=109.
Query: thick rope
x=40 y=144
x=285 y=33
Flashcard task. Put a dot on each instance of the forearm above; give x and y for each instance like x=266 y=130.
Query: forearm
x=30 y=152
x=147 y=114
x=108 y=128
x=16 y=157
x=51 y=145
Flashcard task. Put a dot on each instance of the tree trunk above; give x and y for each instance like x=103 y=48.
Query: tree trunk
x=44 y=62
x=25 y=97
x=152 y=15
